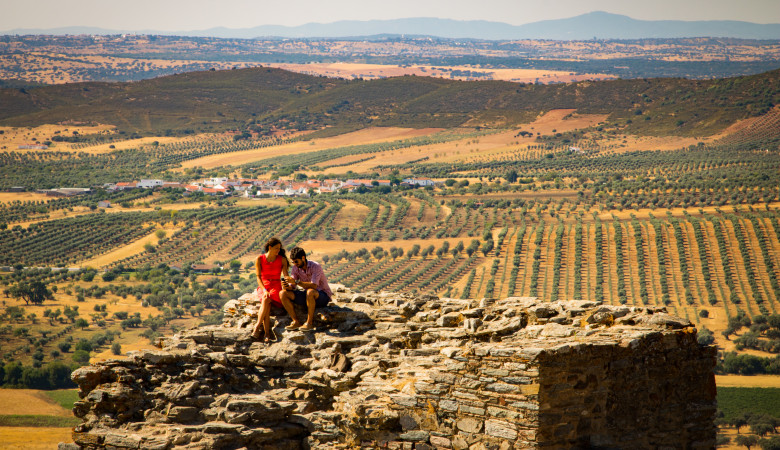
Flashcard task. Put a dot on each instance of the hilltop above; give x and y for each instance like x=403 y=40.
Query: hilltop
x=403 y=371
x=265 y=98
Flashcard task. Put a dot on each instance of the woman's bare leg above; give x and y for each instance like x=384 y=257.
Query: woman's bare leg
x=264 y=318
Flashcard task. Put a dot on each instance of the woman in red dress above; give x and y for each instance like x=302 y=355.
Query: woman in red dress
x=269 y=268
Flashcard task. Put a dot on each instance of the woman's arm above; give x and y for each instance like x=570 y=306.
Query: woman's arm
x=258 y=272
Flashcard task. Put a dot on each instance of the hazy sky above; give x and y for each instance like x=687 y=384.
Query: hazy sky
x=179 y=15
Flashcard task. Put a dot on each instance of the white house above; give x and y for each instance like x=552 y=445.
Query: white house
x=419 y=181
x=149 y=184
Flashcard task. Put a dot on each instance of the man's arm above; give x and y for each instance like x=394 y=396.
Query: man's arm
x=316 y=275
x=304 y=284
x=307 y=285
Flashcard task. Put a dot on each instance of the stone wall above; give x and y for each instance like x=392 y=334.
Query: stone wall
x=413 y=372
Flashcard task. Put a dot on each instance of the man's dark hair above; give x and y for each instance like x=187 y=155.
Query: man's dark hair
x=297 y=252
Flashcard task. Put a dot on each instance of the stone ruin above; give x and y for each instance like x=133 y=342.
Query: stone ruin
x=401 y=371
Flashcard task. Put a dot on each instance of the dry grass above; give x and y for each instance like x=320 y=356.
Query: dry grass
x=29 y=402
x=128 y=250
x=365 y=136
x=140 y=142
x=351 y=215
x=8 y=197
x=555 y=194
x=141 y=344
x=318 y=247
x=33 y=438
x=13 y=137
x=374 y=71
x=761 y=381
x=484 y=148
x=563 y=120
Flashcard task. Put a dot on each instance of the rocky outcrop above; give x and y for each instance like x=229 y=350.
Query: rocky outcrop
x=400 y=371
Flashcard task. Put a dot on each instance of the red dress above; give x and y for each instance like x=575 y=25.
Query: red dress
x=270 y=273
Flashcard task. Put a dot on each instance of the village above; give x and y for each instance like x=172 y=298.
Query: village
x=246 y=187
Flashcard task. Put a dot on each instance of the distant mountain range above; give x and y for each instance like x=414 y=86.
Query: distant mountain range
x=599 y=25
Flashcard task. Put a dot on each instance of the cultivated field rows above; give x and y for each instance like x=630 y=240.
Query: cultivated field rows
x=687 y=263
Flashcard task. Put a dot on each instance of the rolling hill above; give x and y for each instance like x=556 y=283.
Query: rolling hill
x=272 y=98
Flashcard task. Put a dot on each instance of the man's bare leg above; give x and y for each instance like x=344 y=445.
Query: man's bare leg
x=286 y=298
x=311 y=301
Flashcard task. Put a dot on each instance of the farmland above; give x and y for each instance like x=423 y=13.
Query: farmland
x=679 y=229
x=67 y=59
x=669 y=199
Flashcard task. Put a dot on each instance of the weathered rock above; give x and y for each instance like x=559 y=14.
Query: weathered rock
x=412 y=372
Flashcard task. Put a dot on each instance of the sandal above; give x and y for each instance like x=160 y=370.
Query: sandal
x=306 y=328
x=292 y=327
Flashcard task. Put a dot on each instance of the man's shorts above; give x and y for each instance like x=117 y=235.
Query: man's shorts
x=322 y=300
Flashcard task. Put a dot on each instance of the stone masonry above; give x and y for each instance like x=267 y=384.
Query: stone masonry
x=389 y=370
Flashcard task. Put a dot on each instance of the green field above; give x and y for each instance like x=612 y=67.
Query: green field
x=65 y=397
x=38 y=421
x=734 y=401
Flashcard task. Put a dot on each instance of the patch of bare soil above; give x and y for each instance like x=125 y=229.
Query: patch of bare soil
x=33 y=438
x=365 y=136
x=13 y=137
x=29 y=402
x=351 y=215
x=8 y=197
x=140 y=345
x=761 y=381
x=321 y=247
x=374 y=71
x=128 y=250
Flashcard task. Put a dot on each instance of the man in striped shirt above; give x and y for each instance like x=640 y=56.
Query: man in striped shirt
x=315 y=294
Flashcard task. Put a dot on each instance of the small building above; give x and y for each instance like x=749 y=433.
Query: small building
x=213 y=191
x=149 y=184
x=125 y=185
x=271 y=193
x=355 y=183
x=419 y=181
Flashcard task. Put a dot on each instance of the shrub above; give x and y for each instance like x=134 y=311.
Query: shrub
x=80 y=357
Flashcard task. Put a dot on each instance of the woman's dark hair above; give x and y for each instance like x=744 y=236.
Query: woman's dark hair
x=275 y=241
